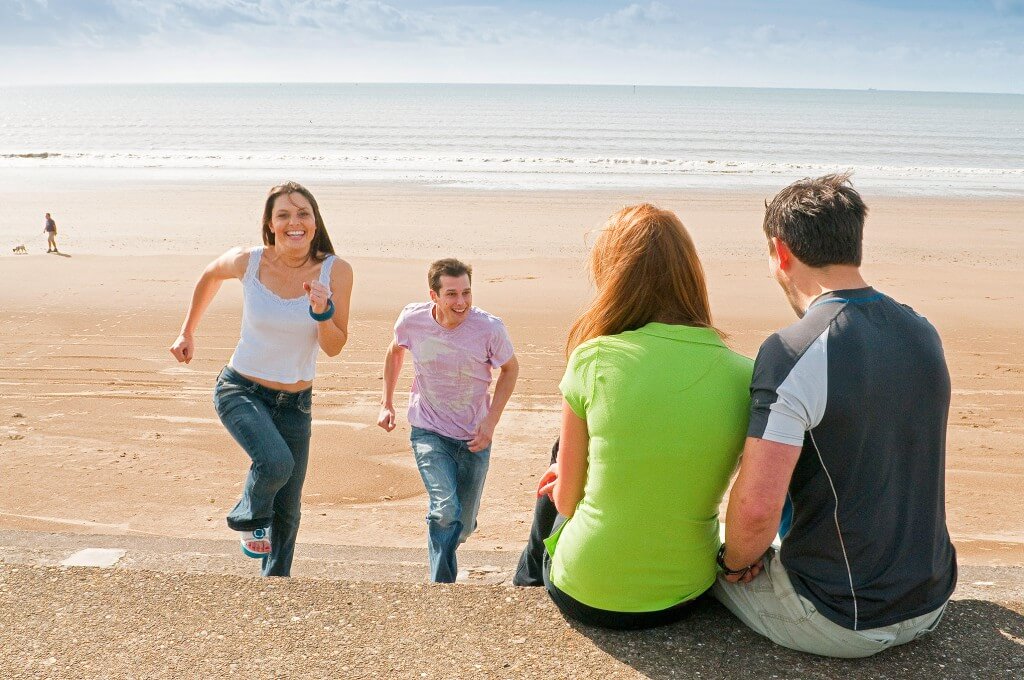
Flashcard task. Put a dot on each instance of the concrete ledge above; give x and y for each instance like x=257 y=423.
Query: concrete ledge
x=355 y=563
x=86 y=623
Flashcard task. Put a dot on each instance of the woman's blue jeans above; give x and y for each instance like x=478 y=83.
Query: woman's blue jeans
x=454 y=478
x=273 y=427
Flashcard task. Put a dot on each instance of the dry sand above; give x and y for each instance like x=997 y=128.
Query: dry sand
x=102 y=432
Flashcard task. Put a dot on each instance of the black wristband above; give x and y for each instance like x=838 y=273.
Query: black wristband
x=720 y=560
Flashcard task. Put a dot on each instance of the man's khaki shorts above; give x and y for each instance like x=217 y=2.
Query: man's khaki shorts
x=770 y=606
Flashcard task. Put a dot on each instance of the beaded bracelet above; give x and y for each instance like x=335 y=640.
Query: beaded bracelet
x=324 y=315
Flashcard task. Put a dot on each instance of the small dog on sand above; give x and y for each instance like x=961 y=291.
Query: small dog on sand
x=20 y=250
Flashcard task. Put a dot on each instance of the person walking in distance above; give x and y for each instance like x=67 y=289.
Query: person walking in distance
x=50 y=229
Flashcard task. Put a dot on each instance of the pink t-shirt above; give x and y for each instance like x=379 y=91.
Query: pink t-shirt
x=453 y=367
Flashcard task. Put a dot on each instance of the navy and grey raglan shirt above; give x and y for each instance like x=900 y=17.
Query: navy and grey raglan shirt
x=861 y=384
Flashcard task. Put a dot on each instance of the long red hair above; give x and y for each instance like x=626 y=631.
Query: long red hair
x=645 y=268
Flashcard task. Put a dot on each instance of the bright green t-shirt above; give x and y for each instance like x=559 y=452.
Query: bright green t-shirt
x=666 y=409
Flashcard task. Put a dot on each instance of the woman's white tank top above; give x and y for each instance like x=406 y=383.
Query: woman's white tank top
x=279 y=339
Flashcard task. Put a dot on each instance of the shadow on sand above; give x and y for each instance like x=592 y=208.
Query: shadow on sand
x=976 y=639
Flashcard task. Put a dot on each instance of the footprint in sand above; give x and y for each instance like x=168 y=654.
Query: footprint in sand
x=176 y=370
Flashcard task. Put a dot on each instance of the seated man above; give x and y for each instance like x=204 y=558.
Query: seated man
x=848 y=431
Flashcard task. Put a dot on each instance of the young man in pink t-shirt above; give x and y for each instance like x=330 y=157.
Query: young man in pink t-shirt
x=454 y=347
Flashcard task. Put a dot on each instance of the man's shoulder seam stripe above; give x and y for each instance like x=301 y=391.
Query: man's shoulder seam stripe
x=852 y=301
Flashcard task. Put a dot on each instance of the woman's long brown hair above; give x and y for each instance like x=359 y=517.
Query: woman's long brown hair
x=645 y=268
x=320 y=247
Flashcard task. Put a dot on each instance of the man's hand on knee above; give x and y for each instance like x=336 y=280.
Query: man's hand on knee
x=749 y=576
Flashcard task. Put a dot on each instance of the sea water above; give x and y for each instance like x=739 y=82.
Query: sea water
x=521 y=136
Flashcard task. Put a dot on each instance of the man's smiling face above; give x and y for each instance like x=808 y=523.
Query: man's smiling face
x=453 y=300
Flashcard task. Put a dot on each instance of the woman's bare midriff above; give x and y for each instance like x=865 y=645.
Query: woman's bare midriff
x=281 y=387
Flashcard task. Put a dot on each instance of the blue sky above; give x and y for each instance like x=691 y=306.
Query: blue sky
x=969 y=45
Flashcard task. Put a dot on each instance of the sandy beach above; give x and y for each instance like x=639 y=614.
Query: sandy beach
x=102 y=432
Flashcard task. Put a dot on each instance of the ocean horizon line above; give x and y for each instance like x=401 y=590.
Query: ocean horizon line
x=358 y=83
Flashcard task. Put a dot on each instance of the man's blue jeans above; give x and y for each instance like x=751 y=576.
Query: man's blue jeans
x=454 y=478
x=273 y=427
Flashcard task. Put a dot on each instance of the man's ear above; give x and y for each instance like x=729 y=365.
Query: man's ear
x=433 y=296
x=782 y=253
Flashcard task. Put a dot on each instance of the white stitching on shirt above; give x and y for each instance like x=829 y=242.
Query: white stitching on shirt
x=839 y=532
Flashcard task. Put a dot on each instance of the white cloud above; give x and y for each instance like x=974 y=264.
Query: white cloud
x=1013 y=7
x=731 y=42
x=112 y=22
x=371 y=17
x=24 y=8
x=766 y=33
x=637 y=14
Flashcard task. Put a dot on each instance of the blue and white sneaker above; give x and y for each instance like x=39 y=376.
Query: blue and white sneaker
x=256 y=543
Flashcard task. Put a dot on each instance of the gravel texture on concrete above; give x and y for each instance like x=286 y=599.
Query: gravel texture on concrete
x=59 y=622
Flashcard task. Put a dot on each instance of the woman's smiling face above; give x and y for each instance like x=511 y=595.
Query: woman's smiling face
x=293 y=222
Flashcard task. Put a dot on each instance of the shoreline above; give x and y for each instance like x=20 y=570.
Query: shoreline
x=982 y=184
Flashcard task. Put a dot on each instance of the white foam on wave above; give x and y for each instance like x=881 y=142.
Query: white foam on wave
x=529 y=172
x=244 y=161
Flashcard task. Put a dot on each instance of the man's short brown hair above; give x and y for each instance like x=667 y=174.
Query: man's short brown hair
x=449 y=266
x=821 y=220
